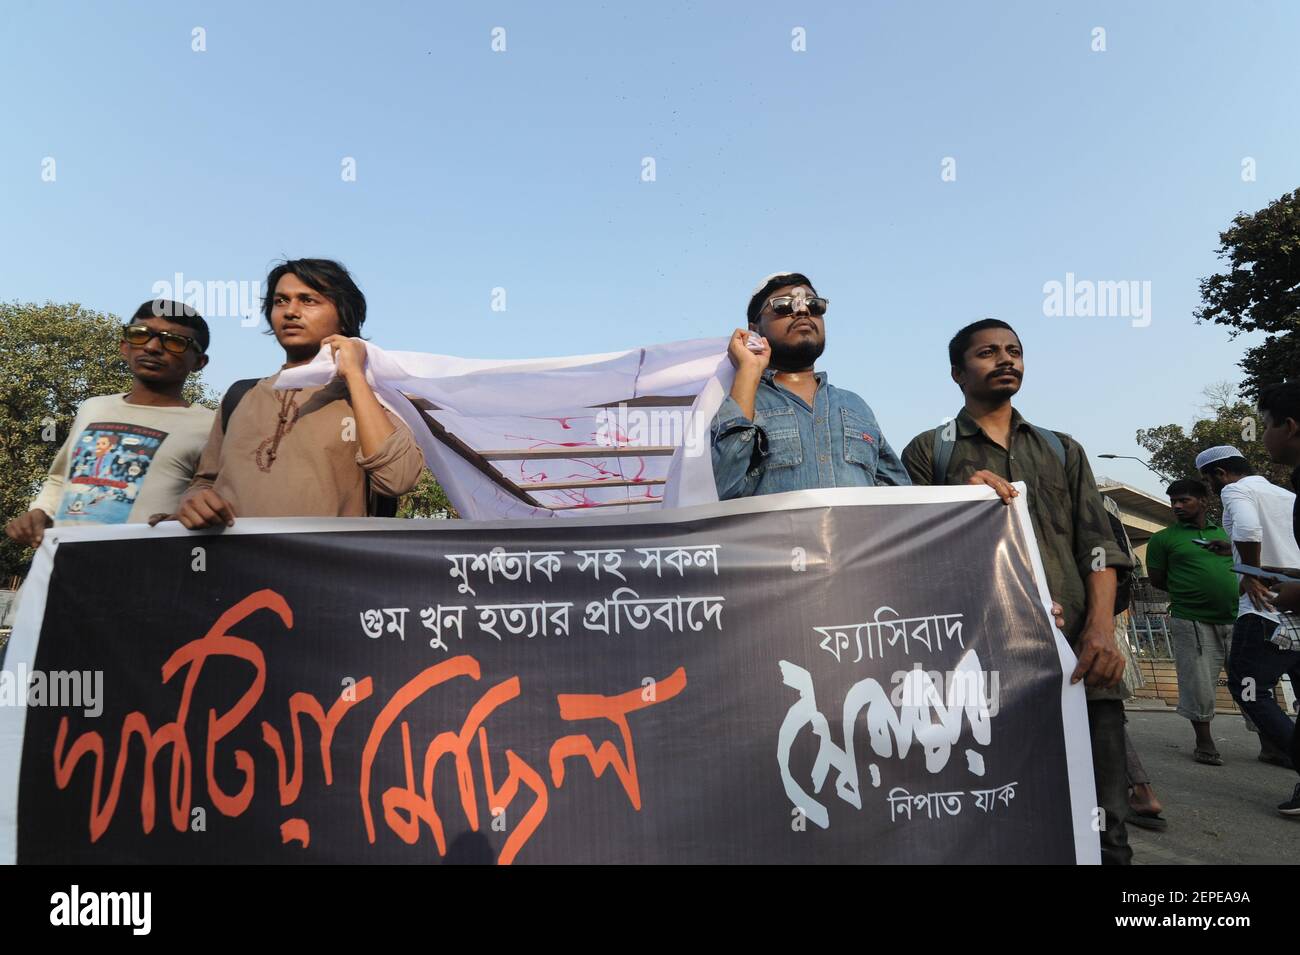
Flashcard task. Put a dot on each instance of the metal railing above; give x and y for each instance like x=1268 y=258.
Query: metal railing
x=1148 y=635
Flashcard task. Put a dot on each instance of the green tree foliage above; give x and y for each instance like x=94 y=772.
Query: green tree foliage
x=1261 y=291
x=426 y=499
x=1226 y=419
x=52 y=358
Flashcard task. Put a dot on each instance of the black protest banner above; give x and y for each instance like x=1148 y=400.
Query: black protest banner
x=829 y=676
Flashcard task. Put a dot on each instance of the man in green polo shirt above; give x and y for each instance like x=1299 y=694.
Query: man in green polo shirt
x=1202 y=607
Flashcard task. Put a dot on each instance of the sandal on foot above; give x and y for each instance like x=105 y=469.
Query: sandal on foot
x=1208 y=756
x=1148 y=820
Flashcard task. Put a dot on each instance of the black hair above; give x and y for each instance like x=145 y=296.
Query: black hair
x=961 y=341
x=1281 y=401
x=1188 y=486
x=178 y=313
x=331 y=280
x=1234 y=465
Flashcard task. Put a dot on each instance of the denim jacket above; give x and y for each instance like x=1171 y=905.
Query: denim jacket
x=792 y=447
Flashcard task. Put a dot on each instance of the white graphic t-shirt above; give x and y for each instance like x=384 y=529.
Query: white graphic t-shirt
x=122 y=463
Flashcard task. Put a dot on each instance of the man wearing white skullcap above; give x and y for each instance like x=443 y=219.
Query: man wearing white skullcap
x=1257 y=519
x=1220 y=452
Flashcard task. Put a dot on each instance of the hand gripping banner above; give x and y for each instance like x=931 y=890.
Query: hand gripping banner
x=851 y=675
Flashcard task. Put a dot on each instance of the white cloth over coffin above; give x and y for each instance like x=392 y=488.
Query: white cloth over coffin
x=548 y=403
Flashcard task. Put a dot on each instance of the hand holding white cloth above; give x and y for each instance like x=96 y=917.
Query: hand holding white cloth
x=504 y=404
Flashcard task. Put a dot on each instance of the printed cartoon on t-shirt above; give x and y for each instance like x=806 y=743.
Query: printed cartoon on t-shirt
x=109 y=464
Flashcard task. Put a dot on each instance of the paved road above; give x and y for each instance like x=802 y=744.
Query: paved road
x=1217 y=814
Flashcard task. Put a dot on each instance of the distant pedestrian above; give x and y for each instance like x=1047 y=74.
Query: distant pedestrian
x=1202 y=607
x=1257 y=516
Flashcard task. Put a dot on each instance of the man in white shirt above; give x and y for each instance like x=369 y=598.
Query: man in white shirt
x=129 y=456
x=1257 y=519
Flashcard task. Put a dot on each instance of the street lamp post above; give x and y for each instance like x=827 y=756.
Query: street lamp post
x=1129 y=457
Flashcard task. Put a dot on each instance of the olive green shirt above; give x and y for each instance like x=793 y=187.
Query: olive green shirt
x=1065 y=506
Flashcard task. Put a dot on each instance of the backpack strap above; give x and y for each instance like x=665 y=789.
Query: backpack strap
x=379 y=505
x=941 y=455
x=942 y=452
x=234 y=394
x=1053 y=441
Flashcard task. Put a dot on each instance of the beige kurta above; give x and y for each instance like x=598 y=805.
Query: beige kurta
x=296 y=453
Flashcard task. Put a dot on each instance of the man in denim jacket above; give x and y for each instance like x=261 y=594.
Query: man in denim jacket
x=785 y=427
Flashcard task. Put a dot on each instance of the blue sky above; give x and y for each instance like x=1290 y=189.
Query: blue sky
x=522 y=170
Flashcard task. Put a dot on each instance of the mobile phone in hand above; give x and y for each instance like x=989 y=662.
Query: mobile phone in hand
x=1267 y=576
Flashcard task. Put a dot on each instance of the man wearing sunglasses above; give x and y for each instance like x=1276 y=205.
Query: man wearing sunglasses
x=132 y=455
x=784 y=427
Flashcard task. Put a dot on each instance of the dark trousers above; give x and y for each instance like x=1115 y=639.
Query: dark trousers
x=1136 y=772
x=1110 y=768
x=1254 y=667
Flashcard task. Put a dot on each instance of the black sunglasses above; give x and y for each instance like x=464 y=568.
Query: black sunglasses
x=139 y=335
x=784 y=305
